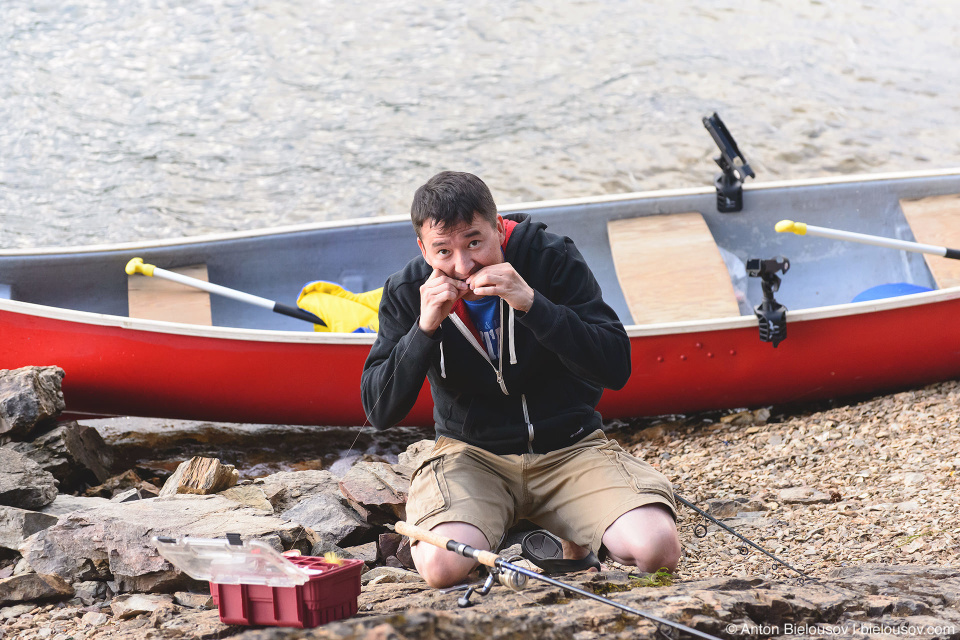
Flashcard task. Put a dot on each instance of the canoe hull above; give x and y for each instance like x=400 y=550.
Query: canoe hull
x=120 y=368
x=113 y=370
x=826 y=357
x=70 y=307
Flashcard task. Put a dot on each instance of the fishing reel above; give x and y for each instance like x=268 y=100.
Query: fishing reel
x=771 y=315
x=511 y=579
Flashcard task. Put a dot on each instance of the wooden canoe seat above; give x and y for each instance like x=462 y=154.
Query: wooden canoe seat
x=156 y=299
x=936 y=220
x=670 y=269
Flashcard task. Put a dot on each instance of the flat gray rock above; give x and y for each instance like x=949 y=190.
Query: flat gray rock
x=804 y=495
x=329 y=519
x=375 y=486
x=286 y=489
x=65 y=503
x=23 y=483
x=73 y=453
x=32 y=586
x=16 y=525
x=29 y=396
x=248 y=495
x=130 y=605
x=114 y=540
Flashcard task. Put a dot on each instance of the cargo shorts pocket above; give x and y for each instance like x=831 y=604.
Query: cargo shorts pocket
x=637 y=474
x=428 y=491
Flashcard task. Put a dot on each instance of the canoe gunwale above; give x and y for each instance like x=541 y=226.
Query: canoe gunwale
x=800 y=315
x=508 y=208
x=633 y=331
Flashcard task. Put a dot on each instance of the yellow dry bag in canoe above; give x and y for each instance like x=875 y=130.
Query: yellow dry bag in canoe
x=342 y=310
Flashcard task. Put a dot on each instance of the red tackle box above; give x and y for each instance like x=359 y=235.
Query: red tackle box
x=253 y=584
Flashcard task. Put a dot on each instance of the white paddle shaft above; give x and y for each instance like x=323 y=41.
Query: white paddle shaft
x=136 y=265
x=877 y=241
x=213 y=288
x=804 y=229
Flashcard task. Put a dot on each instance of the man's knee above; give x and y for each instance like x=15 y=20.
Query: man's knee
x=645 y=537
x=441 y=568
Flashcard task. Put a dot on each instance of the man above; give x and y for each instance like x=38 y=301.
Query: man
x=507 y=323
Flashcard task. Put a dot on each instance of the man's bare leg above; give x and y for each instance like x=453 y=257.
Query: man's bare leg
x=442 y=568
x=645 y=537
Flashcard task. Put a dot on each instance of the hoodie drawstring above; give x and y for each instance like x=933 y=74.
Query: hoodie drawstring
x=513 y=346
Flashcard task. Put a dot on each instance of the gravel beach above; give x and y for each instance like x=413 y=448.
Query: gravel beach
x=873 y=482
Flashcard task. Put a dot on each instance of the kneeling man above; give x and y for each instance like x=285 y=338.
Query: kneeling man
x=507 y=322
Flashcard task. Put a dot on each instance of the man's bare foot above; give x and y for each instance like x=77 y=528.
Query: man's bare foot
x=573 y=551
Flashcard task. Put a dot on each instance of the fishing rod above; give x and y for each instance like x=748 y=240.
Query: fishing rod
x=701 y=531
x=804 y=229
x=515 y=577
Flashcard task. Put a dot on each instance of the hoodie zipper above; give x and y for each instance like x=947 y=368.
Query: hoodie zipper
x=498 y=370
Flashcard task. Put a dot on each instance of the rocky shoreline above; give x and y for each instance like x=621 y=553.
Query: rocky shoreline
x=862 y=497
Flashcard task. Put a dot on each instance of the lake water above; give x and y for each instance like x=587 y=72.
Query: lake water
x=124 y=121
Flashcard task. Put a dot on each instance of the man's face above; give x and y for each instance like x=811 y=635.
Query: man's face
x=463 y=250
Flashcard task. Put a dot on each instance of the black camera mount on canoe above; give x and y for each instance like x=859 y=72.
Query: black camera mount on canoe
x=730 y=182
x=771 y=315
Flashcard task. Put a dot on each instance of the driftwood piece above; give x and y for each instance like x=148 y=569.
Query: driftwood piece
x=200 y=476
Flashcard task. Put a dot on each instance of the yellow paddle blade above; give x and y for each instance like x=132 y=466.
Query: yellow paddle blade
x=342 y=310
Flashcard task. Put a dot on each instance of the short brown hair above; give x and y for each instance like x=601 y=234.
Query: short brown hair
x=452 y=198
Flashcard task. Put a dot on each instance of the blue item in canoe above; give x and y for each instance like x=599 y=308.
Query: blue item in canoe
x=891 y=290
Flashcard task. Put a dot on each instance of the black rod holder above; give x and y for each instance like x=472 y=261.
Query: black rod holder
x=771 y=315
x=729 y=183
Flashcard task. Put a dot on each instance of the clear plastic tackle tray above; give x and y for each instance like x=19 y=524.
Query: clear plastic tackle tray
x=230 y=561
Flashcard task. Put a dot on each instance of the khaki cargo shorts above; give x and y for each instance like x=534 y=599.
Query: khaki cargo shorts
x=576 y=492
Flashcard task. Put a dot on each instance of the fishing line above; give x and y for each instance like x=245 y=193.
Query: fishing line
x=382 y=391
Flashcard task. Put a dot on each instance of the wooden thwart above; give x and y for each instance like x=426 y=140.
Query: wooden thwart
x=156 y=299
x=670 y=269
x=936 y=220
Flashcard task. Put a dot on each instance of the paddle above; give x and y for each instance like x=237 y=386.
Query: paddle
x=136 y=265
x=802 y=229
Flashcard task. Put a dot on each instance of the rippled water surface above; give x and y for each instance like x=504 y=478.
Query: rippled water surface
x=161 y=118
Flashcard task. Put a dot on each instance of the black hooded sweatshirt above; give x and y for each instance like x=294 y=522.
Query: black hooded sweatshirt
x=555 y=359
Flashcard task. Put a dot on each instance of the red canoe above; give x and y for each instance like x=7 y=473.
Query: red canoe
x=669 y=263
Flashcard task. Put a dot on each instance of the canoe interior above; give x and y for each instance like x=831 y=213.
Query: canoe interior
x=276 y=265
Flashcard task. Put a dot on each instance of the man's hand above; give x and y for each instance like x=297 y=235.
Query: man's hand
x=504 y=281
x=437 y=297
